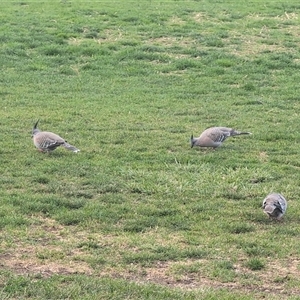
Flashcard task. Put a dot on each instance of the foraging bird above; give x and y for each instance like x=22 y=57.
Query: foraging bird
x=47 y=141
x=214 y=136
x=274 y=205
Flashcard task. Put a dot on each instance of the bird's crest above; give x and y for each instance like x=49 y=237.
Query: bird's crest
x=35 y=125
x=192 y=141
x=35 y=129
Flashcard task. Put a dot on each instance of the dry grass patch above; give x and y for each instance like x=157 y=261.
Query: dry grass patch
x=107 y=35
x=257 y=40
x=253 y=41
x=76 y=41
x=263 y=156
x=275 y=279
x=49 y=248
x=251 y=45
x=170 y=41
x=199 y=17
x=43 y=252
x=282 y=18
x=176 y=21
x=19 y=264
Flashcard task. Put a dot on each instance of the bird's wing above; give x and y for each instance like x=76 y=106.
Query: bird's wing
x=218 y=135
x=49 y=140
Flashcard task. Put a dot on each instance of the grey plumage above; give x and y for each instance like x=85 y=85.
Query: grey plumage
x=214 y=136
x=274 y=205
x=48 y=141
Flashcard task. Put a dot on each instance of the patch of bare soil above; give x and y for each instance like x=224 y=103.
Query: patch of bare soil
x=32 y=266
x=46 y=256
x=272 y=281
x=54 y=251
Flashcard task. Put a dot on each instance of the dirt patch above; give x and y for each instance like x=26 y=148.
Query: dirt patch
x=176 y=21
x=172 y=41
x=24 y=260
x=30 y=266
x=52 y=249
x=283 y=17
x=263 y=156
x=162 y=274
x=250 y=45
x=47 y=255
x=199 y=17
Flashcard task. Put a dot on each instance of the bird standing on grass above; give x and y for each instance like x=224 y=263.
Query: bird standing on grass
x=47 y=141
x=214 y=136
x=274 y=205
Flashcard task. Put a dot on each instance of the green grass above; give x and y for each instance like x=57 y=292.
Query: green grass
x=138 y=214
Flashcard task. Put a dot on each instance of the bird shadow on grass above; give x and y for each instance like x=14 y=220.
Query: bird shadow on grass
x=224 y=146
x=55 y=154
x=265 y=220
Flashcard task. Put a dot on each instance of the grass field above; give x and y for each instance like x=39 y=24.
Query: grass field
x=137 y=213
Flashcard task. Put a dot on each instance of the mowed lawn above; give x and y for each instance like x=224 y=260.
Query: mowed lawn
x=138 y=213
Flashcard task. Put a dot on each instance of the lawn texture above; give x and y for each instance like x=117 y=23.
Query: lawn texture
x=137 y=213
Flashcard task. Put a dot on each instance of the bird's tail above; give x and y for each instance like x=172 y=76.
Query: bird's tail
x=70 y=147
x=235 y=132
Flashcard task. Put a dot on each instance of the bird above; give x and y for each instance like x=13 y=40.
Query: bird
x=274 y=205
x=46 y=141
x=214 y=136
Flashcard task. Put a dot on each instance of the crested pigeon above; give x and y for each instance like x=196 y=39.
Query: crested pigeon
x=47 y=141
x=214 y=136
x=274 y=205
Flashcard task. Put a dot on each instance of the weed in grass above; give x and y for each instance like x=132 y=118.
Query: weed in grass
x=50 y=255
x=41 y=180
x=13 y=221
x=70 y=218
x=90 y=245
x=240 y=228
x=253 y=250
x=282 y=279
x=164 y=254
x=255 y=264
x=195 y=267
x=224 y=271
